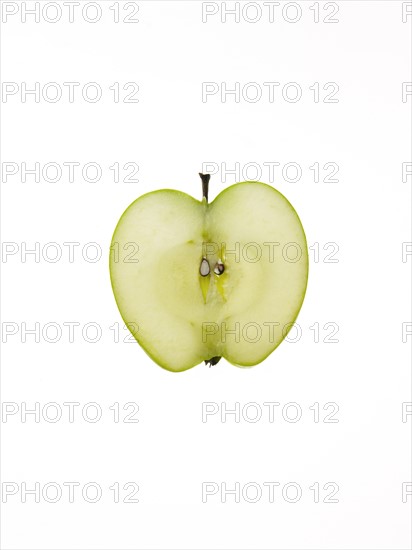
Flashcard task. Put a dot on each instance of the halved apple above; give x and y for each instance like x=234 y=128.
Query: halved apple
x=196 y=281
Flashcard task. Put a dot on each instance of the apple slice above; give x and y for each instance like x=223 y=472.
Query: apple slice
x=196 y=281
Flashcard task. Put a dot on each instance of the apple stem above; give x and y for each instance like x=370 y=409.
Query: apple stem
x=205 y=185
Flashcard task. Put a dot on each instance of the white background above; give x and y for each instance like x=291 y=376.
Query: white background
x=169 y=133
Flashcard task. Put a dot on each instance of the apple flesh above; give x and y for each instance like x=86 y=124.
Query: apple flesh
x=196 y=281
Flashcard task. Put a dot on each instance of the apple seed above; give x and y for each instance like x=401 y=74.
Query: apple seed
x=219 y=268
x=204 y=267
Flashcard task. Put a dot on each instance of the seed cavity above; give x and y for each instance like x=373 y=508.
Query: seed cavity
x=219 y=268
x=204 y=268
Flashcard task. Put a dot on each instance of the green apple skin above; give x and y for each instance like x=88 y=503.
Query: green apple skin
x=181 y=318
